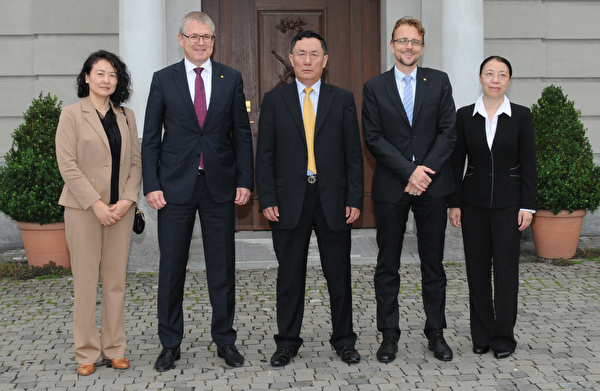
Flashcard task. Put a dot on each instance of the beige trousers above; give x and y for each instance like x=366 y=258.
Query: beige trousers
x=98 y=251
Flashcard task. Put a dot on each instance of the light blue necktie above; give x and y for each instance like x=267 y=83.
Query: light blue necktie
x=408 y=98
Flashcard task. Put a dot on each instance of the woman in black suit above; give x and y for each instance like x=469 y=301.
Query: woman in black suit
x=493 y=204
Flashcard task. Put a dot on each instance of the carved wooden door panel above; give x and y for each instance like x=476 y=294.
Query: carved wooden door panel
x=254 y=37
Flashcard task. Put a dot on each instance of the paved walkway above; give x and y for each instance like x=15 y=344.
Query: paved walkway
x=557 y=331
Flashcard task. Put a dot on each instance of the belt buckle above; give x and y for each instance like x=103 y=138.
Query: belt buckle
x=312 y=179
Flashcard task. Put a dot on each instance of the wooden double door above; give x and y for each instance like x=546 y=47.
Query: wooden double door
x=254 y=36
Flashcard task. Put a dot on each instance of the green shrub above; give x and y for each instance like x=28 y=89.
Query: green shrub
x=568 y=179
x=30 y=184
x=22 y=271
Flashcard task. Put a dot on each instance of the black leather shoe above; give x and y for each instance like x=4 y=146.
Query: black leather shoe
x=439 y=347
x=387 y=351
x=348 y=354
x=499 y=354
x=232 y=357
x=282 y=356
x=166 y=359
x=481 y=349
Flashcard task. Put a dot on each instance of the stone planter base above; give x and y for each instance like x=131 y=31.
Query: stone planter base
x=45 y=243
x=557 y=236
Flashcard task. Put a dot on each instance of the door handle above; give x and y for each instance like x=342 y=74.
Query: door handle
x=249 y=109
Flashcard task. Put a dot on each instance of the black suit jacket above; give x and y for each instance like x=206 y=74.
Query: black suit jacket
x=170 y=160
x=282 y=156
x=393 y=142
x=502 y=177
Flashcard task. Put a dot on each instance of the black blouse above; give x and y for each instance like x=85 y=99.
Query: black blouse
x=109 y=122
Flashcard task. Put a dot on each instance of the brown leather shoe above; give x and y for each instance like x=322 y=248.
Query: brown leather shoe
x=86 y=369
x=117 y=363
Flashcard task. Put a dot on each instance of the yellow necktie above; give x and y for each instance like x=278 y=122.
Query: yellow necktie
x=309 y=129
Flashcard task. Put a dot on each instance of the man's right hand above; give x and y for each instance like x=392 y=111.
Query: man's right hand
x=271 y=213
x=420 y=178
x=156 y=199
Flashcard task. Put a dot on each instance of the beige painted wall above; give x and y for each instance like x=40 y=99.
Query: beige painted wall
x=43 y=45
x=550 y=42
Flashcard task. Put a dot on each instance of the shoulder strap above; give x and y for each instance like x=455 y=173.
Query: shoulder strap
x=126 y=120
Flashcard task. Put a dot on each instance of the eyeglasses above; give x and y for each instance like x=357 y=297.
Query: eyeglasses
x=405 y=41
x=196 y=38
x=491 y=75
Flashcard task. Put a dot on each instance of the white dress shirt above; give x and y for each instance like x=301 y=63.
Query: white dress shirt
x=206 y=77
x=490 y=126
x=400 y=83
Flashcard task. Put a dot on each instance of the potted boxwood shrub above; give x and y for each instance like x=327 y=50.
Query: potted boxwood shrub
x=568 y=179
x=30 y=184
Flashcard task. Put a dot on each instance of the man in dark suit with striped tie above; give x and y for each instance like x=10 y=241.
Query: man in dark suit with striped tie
x=409 y=126
x=202 y=163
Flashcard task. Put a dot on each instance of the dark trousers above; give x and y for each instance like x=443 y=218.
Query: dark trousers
x=175 y=227
x=492 y=243
x=430 y=216
x=291 y=249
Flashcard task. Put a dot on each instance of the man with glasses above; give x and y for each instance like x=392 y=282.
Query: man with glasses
x=202 y=163
x=408 y=120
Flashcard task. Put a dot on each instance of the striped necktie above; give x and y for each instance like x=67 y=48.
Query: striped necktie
x=408 y=98
x=200 y=105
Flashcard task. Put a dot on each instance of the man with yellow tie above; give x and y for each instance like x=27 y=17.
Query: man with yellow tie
x=309 y=174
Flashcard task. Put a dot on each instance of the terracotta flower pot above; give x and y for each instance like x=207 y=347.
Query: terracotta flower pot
x=557 y=236
x=45 y=243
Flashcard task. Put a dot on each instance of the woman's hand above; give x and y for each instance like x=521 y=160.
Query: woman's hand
x=454 y=217
x=121 y=207
x=525 y=219
x=105 y=215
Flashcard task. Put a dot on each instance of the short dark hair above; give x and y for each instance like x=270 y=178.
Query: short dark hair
x=497 y=58
x=123 y=90
x=308 y=34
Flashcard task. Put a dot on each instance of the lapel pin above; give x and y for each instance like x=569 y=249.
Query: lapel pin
x=424 y=79
x=222 y=77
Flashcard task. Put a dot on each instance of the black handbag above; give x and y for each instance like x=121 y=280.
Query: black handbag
x=139 y=221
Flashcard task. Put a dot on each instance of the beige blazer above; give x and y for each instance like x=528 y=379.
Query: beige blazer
x=84 y=158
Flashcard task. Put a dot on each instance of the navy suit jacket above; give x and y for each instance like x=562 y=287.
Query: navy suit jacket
x=502 y=177
x=170 y=159
x=393 y=141
x=282 y=155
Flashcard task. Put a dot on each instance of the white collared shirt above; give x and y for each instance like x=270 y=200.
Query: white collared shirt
x=400 y=82
x=314 y=95
x=490 y=126
x=206 y=77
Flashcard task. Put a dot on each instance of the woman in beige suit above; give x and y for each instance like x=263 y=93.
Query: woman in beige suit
x=99 y=159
